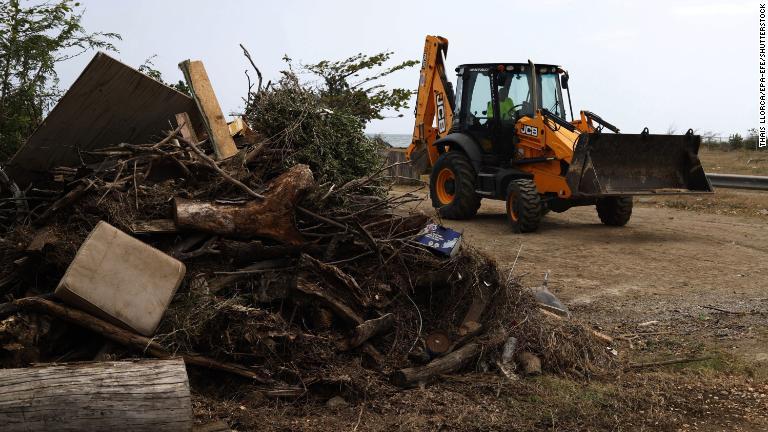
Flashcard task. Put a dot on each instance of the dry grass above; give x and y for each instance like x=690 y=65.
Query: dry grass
x=748 y=162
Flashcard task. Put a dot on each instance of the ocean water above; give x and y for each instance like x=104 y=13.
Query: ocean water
x=395 y=140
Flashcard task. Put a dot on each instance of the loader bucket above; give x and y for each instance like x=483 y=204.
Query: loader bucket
x=642 y=164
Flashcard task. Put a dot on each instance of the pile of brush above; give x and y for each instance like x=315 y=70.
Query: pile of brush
x=292 y=281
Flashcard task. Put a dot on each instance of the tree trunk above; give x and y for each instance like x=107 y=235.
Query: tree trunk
x=449 y=363
x=149 y=395
x=271 y=217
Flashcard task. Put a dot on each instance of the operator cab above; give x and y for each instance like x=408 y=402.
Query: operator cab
x=492 y=97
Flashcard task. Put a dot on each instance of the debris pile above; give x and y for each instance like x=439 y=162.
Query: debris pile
x=295 y=280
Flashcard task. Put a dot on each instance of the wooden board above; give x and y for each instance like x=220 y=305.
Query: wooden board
x=109 y=103
x=208 y=105
x=187 y=131
x=148 y=395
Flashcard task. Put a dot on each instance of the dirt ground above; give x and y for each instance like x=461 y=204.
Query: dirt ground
x=675 y=283
x=686 y=278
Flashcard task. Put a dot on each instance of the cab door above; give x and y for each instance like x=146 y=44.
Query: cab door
x=475 y=113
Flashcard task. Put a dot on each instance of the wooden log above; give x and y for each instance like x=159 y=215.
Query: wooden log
x=446 y=364
x=272 y=217
x=208 y=104
x=137 y=396
x=365 y=331
x=128 y=338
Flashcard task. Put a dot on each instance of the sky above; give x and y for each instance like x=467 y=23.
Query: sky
x=661 y=64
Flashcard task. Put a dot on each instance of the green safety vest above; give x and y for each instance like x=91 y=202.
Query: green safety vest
x=505 y=105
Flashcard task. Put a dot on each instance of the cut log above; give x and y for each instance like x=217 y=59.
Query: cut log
x=213 y=117
x=149 y=395
x=365 y=331
x=272 y=217
x=449 y=363
x=127 y=338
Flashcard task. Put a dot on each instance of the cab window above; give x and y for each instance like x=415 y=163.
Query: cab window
x=551 y=97
x=479 y=97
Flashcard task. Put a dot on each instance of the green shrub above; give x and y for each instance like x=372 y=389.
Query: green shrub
x=297 y=123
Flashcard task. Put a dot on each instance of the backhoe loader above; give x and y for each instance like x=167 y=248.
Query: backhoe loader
x=504 y=135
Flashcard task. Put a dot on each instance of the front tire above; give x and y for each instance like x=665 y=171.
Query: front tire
x=452 y=186
x=614 y=211
x=524 y=208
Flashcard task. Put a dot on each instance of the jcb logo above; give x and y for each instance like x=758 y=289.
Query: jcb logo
x=529 y=130
x=440 y=113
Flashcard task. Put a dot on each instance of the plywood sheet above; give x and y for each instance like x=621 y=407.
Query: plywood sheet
x=108 y=104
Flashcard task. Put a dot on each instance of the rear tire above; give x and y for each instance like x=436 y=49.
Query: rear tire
x=614 y=211
x=524 y=208
x=452 y=186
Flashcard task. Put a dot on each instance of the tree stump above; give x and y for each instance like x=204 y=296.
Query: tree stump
x=271 y=217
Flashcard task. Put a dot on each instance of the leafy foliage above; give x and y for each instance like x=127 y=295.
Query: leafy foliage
x=148 y=69
x=324 y=126
x=353 y=85
x=750 y=142
x=296 y=121
x=735 y=141
x=34 y=37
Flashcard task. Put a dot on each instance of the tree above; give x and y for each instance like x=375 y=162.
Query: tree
x=353 y=85
x=324 y=125
x=34 y=37
x=735 y=141
x=750 y=142
x=148 y=69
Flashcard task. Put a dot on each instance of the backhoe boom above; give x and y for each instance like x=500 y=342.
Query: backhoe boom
x=434 y=105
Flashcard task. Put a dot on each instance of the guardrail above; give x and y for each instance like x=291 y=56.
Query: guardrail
x=739 y=181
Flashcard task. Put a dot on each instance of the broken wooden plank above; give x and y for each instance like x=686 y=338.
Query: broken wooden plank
x=136 y=396
x=154 y=226
x=187 y=131
x=213 y=117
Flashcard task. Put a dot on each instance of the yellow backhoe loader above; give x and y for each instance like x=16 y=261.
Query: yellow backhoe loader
x=504 y=135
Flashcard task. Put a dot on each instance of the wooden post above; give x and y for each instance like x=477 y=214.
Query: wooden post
x=213 y=117
x=138 y=396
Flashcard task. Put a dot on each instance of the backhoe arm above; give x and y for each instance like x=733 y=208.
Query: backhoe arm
x=434 y=105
